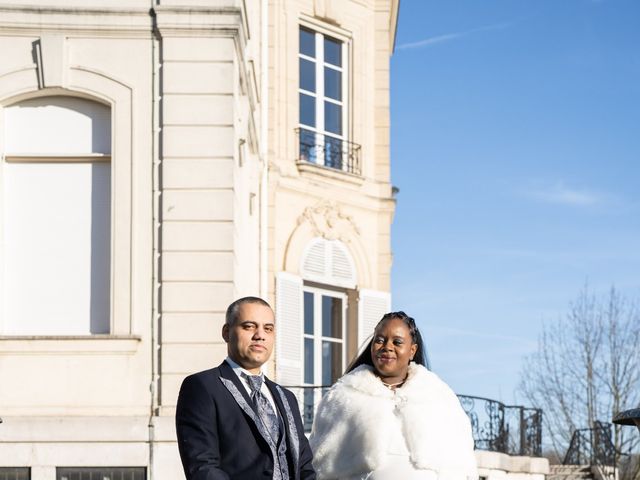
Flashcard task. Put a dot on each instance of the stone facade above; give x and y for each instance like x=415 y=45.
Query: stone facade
x=208 y=198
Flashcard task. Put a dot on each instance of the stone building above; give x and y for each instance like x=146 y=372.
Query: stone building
x=157 y=160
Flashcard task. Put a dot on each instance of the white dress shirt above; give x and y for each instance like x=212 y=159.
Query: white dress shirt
x=238 y=370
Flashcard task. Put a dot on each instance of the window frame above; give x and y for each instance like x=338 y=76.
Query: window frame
x=317 y=336
x=319 y=131
x=106 y=91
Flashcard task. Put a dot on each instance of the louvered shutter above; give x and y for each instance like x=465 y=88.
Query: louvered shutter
x=342 y=271
x=372 y=305
x=315 y=260
x=289 y=318
x=329 y=262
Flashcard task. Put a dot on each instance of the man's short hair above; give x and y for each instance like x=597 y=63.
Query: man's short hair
x=233 y=309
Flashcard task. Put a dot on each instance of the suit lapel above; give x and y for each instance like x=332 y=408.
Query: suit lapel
x=227 y=373
x=232 y=383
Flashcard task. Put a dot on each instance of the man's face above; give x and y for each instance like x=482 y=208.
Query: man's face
x=250 y=339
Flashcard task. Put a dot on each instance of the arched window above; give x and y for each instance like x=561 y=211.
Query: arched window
x=55 y=179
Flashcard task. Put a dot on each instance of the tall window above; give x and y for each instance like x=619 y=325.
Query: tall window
x=324 y=340
x=322 y=115
x=55 y=211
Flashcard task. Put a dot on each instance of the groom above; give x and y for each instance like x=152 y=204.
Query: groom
x=233 y=422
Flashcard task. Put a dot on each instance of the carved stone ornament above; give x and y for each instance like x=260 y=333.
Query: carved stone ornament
x=329 y=222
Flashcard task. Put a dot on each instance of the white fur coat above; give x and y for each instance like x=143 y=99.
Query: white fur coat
x=351 y=428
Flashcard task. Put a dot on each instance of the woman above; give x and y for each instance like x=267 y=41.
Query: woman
x=389 y=417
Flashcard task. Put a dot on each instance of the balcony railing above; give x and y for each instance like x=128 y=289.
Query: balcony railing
x=592 y=446
x=510 y=429
x=328 y=151
x=495 y=427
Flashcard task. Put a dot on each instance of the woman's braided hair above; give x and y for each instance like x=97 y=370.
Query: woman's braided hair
x=420 y=356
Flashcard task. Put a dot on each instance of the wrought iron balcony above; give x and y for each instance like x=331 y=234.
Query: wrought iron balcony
x=496 y=427
x=328 y=151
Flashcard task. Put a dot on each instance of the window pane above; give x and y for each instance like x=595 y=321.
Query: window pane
x=59 y=284
x=15 y=473
x=308 y=149
x=308 y=360
x=307 y=42
x=333 y=118
x=332 y=51
x=333 y=152
x=331 y=317
x=308 y=313
x=31 y=126
x=331 y=362
x=307 y=415
x=307 y=110
x=307 y=75
x=332 y=83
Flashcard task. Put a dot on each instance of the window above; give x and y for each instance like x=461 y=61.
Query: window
x=322 y=103
x=324 y=340
x=55 y=211
x=15 y=473
x=101 y=473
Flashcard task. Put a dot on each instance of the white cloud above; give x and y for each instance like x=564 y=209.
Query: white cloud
x=427 y=42
x=561 y=194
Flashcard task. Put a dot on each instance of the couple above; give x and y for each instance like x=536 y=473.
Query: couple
x=388 y=417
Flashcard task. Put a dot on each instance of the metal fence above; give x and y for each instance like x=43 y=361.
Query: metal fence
x=496 y=427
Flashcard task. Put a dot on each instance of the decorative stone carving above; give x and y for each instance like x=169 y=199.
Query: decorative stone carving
x=328 y=221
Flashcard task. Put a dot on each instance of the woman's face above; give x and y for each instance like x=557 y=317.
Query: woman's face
x=392 y=349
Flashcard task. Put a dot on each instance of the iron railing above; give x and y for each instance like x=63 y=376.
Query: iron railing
x=328 y=151
x=591 y=446
x=495 y=427
x=510 y=429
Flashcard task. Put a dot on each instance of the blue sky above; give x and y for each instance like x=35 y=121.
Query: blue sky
x=516 y=148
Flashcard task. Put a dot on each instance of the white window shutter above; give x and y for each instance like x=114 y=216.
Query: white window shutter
x=315 y=261
x=342 y=269
x=372 y=305
x=289 y=324
x=329 y=262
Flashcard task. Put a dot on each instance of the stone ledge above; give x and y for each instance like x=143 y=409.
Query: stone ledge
x=69 y=344
x=511 y=463
x=82 y=429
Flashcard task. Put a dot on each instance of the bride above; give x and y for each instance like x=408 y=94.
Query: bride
x=389 y=417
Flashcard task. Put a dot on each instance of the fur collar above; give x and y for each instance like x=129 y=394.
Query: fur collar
x=364 y=380
x=356 y=418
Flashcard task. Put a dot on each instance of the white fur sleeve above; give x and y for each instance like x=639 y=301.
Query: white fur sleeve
x=341 y=442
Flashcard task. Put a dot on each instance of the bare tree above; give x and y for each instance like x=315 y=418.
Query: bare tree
x=621 y=371
x=587 y=369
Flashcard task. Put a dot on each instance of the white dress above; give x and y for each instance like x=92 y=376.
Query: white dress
x=362 y=430
x=398 y=462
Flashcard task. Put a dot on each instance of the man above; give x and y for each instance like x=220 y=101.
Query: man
x=233 y=422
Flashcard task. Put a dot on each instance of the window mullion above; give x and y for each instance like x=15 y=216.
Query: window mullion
x=317 y=338
x=345 y=104
x=320 y=96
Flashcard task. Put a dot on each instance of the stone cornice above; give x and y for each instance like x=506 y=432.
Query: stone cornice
x=169 y=20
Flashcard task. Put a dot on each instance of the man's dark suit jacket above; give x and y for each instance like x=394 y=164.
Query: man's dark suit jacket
x=220 y=437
